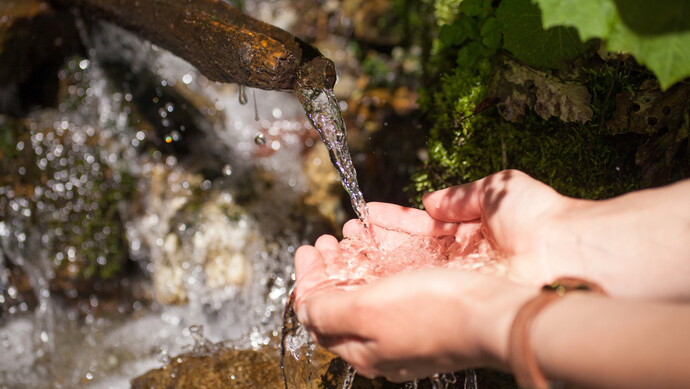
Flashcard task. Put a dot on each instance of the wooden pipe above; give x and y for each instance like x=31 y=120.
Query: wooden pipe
x=220 y=41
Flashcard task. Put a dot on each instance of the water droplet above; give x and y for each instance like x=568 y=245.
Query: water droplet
x=83 y=64
x=256 y=109
x=187 y=79
x=260 y=139
x=277 y=113
x=243 y=95
x=227 y=170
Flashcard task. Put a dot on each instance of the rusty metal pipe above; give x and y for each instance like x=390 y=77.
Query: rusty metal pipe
x=219 y=40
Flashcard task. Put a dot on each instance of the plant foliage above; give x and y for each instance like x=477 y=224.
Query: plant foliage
x=656 y=33
x=525 y=38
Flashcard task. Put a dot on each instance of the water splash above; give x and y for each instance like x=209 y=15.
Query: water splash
x=442 y=381
x=412 y=385
x=323 y=112
x=95 y=119
x=470 y=379
x=350 y=375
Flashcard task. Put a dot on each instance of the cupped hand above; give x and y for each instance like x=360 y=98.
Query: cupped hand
x=509 y=211
x=517 y=214
x=409 y=325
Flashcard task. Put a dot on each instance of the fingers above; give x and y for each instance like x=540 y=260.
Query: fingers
x=353 y=229
x=411 y=220
x=468 y=202
x=310 y=271
x=385 y=216
x=329 y=248
x=456 y=204
x=330 y=314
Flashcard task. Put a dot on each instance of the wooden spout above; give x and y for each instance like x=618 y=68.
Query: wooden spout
x=219 y=40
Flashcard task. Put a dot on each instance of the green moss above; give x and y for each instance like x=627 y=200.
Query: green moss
x=581 y=160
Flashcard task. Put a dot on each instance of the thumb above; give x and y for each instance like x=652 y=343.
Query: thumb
x=456 y=204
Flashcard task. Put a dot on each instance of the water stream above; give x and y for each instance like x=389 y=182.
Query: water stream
x=213 y=227
x=323 y=112
x=216 y=249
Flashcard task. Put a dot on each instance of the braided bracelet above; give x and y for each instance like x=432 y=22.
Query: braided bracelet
x=521 y=356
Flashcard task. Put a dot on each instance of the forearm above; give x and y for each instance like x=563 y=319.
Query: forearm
x=602 y=342
x=636 y=245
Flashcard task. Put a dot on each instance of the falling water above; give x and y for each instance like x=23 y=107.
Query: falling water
x=90 y=146
x=324 y=113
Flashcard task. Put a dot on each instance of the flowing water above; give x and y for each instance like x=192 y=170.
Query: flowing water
x=324 y=113
x=365 y=259
x=211 y=263
x=213 y=226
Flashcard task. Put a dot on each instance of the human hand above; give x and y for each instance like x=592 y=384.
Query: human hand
x=633 y=245
x=517 y=214
x=504 y=220
x=409 y=325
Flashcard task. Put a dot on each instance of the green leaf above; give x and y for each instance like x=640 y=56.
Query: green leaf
x=445 y=11
x=479 y=8
x=656 y=33
x=526 y=39
x=457 y=33
x=469 y=54
x=592 y=20
x=491 y=33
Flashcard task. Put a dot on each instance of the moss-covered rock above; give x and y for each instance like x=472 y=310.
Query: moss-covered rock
x=596 y=127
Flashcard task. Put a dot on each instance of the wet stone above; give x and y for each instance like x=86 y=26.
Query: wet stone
x=224 y=368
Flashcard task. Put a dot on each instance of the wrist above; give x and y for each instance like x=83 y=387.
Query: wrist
x=563 y=239
x=495 y=319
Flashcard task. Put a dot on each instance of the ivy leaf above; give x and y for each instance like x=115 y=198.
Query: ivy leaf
x=469 y=54
x=526 y=39
x=656 y=33
x=479 y=8
x=491 y=33
x=458 y=32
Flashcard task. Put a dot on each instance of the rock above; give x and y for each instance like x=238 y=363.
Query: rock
x=649 y=110
x=217 y=367
x=223 y=368
x=519 y=87
x=366 y=19
x=185 y=227
x=34 y=39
